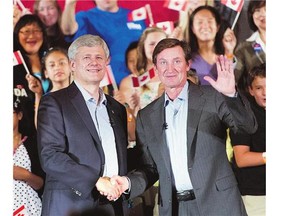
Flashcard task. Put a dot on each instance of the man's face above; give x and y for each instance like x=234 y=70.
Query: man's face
x=89 y=65
x=172 y=67
x=107 y=5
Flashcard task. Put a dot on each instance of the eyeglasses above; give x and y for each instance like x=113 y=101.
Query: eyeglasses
x=28 y=32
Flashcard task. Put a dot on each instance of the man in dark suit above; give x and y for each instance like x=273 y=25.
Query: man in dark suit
x=182 y=137
x=82 y=136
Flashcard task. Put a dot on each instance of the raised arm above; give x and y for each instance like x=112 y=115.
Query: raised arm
x=68 y=22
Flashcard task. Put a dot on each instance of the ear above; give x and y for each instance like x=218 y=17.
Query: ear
x=46 y=74
x=108 y=61
x=251 y=91
x=72 y=65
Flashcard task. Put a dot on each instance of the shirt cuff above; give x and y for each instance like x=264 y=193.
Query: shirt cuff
x=129 y=187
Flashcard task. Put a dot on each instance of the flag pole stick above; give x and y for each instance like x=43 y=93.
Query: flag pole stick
x=150 y=16
x=24 y=64
x=21 y=5
x=235 y=20
x=111 y=75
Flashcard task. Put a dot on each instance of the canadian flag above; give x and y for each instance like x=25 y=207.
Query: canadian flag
x=17 y=58
x=233 y=4
x=143 y=79
x=138 y=14
x=179 y=5
x=167 y=26
x=21 y=211
x=108 y=77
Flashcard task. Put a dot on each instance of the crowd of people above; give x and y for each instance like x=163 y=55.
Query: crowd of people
x=80 y=146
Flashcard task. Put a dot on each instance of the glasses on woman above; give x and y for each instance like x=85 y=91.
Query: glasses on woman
x=32 y=31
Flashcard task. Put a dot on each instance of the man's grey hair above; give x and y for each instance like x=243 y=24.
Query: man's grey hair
x=87 y=40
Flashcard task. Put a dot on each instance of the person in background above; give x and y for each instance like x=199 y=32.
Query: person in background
x=50 y=14
x=164 y=140
x=249 y=161
x=82 y=136
x=209 y=37
x=252 y=52
x=181 y=32
x=109 y=21
x=148 y=41
x=30 y=39
x=126 y=85
x=28 y=177
x=56 y=69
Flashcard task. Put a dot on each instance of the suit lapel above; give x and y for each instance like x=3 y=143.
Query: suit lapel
x=80 y=105
x=157 y=121
x=195 y=107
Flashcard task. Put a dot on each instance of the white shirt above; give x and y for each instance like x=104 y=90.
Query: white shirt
x=104 y=129
x=176 y=135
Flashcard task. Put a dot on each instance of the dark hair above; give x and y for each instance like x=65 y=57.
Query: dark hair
x=170 y=43
x=257 y=71
x=17 y=105
x=44 y=58
x=132 y=45
x=253 y=5
x=218 y=46
x=27 y=20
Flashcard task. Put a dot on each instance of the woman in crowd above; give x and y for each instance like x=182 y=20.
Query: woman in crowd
x=209 y=36
x=252 y=52
x=50 y=14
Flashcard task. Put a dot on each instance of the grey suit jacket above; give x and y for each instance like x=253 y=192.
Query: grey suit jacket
x=209 y=115
x=70 y=150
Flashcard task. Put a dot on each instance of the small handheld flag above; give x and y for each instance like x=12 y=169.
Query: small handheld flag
x=21 y=211
x=167 y=26
x=143 y=79
x=178 y=5
x=109 y=78
x=138 y=14
x=18 y=59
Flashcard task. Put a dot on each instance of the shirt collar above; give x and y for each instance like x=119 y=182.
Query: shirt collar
x=88 y=97
x=182 y=96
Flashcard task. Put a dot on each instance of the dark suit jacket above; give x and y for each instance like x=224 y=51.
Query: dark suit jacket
x=214 y=183
x=70 y=150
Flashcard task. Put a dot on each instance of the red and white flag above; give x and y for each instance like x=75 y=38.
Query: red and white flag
x=17 y=58
x=233 y=4
x=178 y=5
x=21 y=211
x=167 y=26
x=109 y=78
x=143 y=79
x=138 y=14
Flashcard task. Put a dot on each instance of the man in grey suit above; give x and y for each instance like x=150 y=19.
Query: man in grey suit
x=182 y=136
x=82 y=136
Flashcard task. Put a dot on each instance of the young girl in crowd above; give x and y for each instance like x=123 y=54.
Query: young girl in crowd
x=27 y=173
x=56 y=69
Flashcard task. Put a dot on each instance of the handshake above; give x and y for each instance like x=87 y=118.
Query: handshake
x=112 y=187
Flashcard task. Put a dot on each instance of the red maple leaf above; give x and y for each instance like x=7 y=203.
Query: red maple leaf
x=143 y=78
